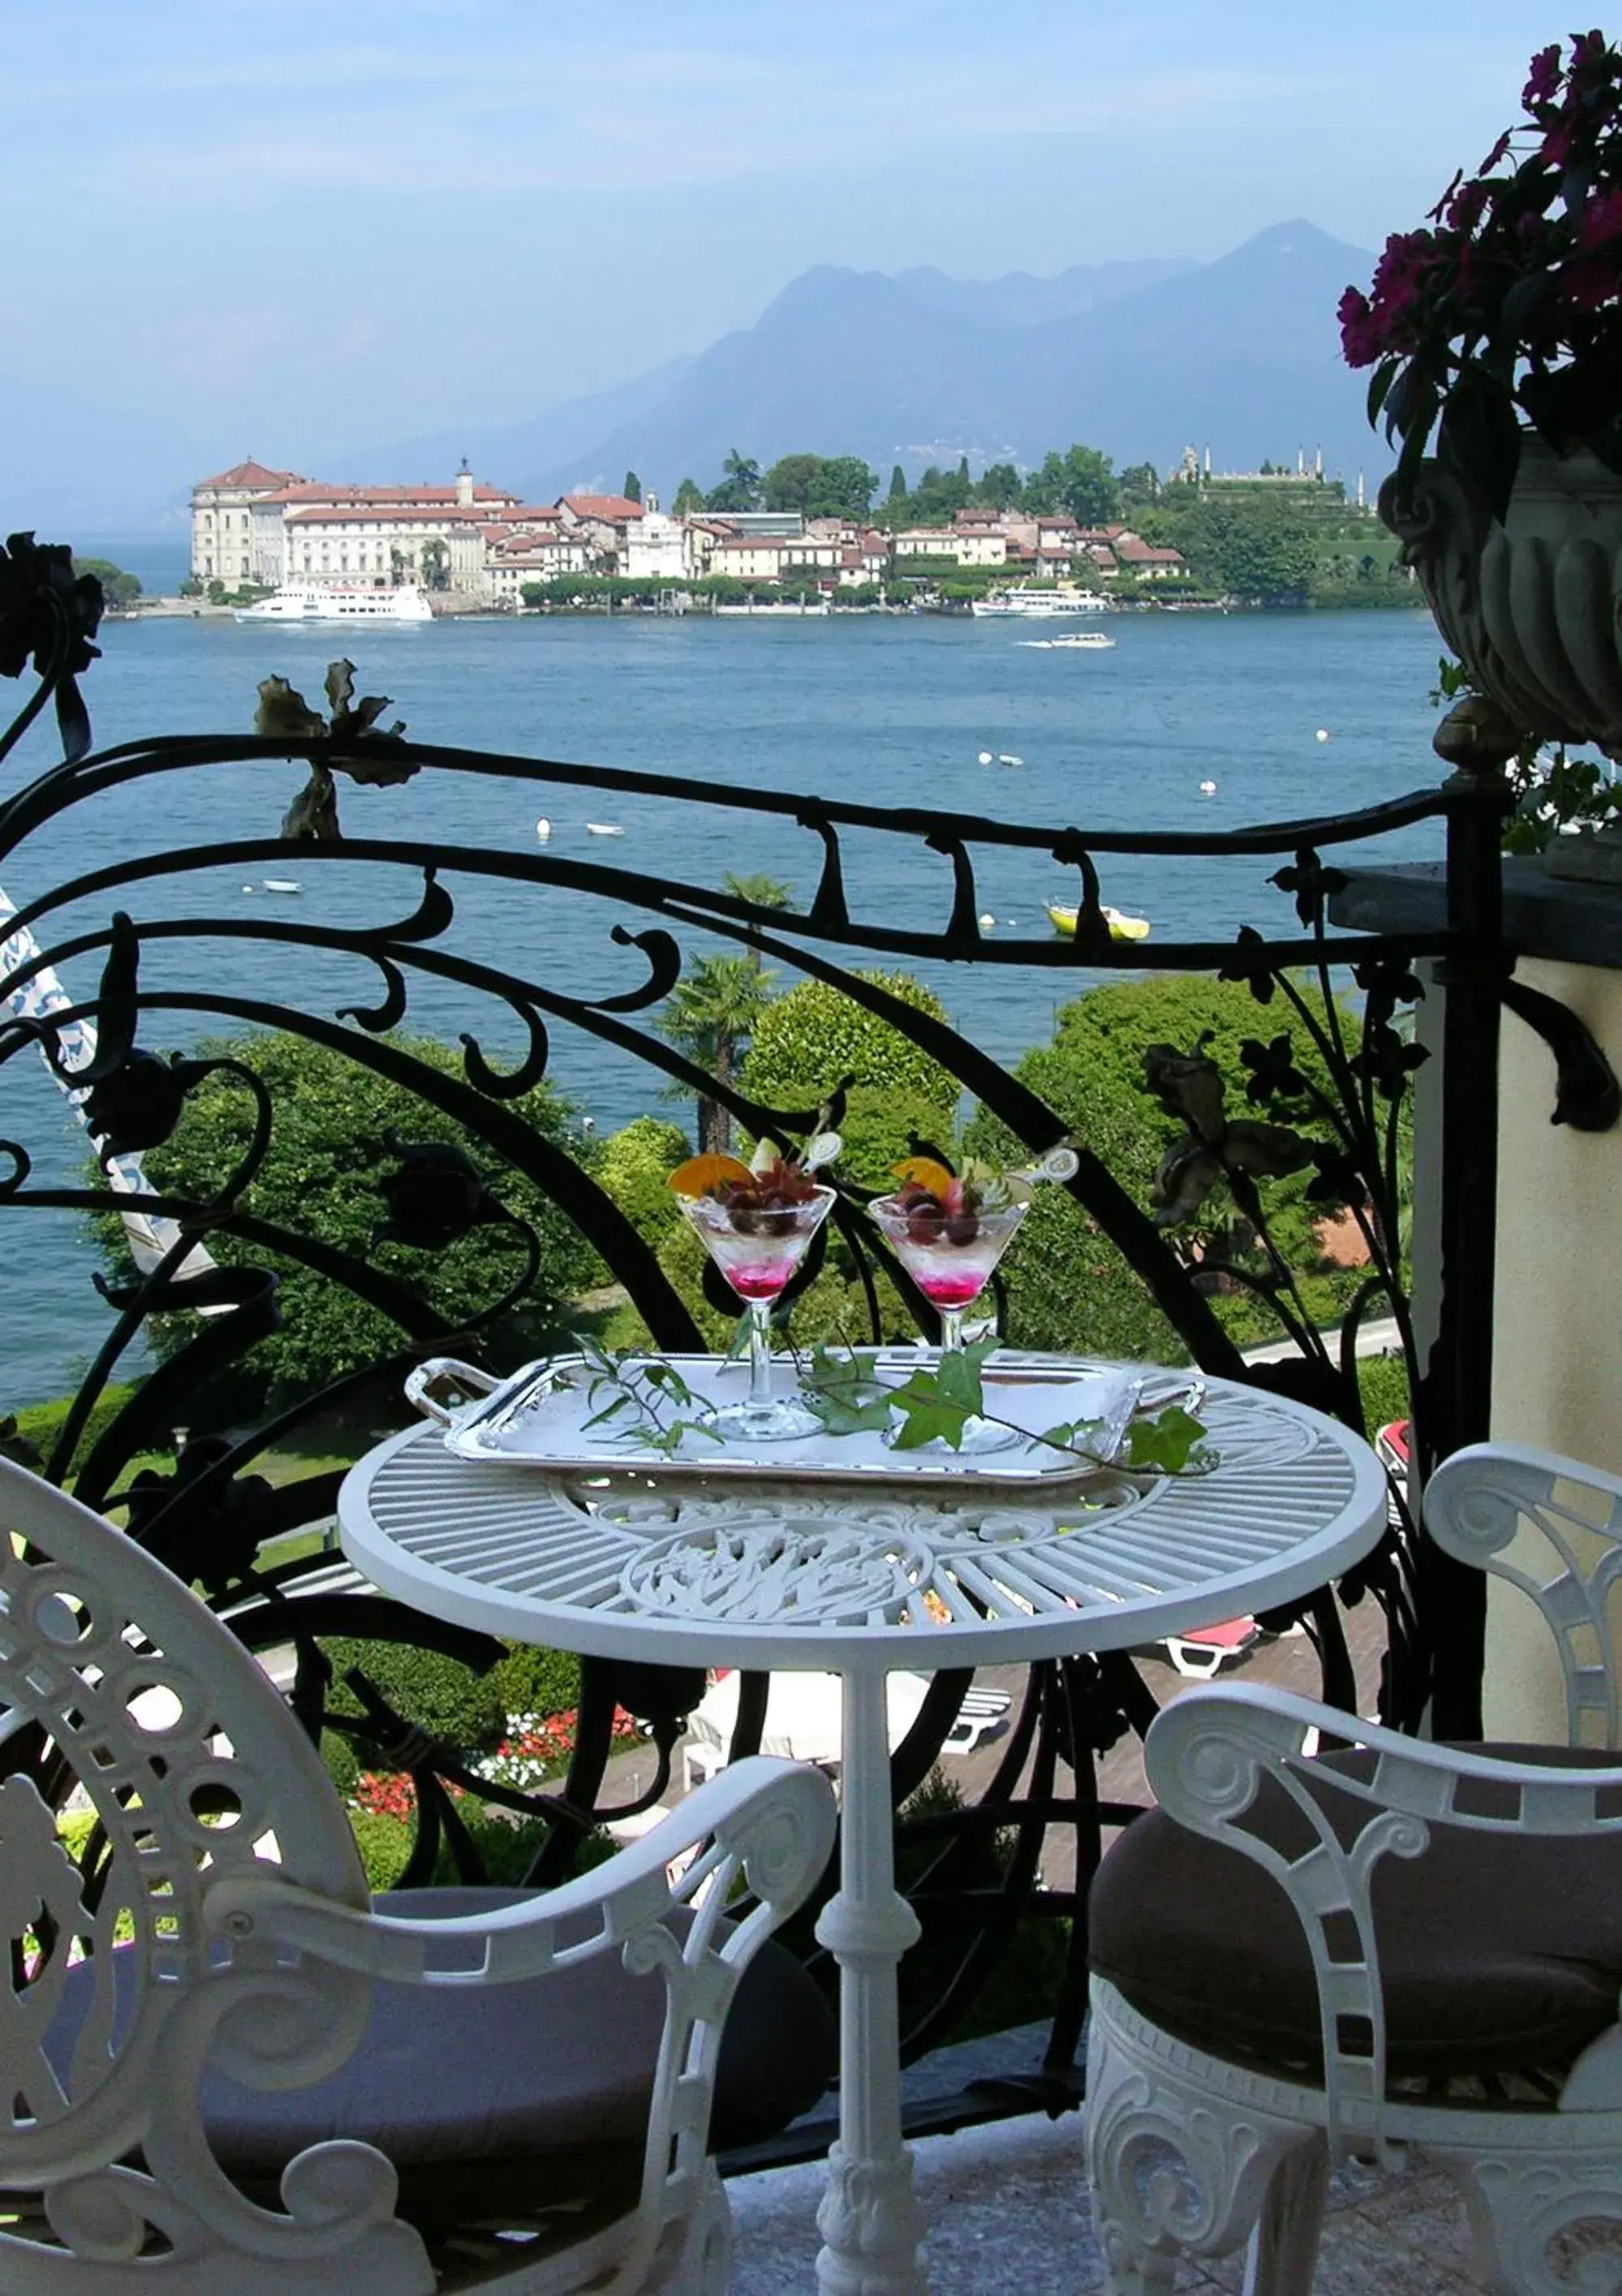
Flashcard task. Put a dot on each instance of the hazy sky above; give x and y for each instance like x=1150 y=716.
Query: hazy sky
x=286 y=225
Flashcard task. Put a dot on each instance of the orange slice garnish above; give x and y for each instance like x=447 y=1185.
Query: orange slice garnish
x=701 y=1175
x=923 y=1172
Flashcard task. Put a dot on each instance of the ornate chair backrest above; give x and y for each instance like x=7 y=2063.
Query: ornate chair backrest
x=116 y=1680
x=1553 y=1527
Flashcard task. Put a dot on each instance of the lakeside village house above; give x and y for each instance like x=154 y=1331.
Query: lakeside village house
x=479 y=545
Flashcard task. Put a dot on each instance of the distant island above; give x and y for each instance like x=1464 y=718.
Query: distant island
x=809 y=530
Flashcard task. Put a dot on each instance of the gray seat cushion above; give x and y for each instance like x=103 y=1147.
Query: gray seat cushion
x=485 y=2097
x=1498 y=1954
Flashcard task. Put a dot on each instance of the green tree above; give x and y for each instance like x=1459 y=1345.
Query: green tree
x=998 y=485
x=1080 y=482
x=739 y=486
x=324 y=1176
x=709 y=1015
x=897 y=485
x=807 y=1043
x=844 y=488
x=634 y=1168
x=765 y=892
x=435 y=561
x=689 y=499
x=1139 y=483
x=632 y=488
x=1068 y=1286
x=788 y=484
x=117 y=588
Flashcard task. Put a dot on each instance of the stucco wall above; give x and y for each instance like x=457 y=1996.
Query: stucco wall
x=1557 y=1372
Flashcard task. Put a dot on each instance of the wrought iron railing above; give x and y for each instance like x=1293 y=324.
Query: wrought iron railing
x=212 y=1516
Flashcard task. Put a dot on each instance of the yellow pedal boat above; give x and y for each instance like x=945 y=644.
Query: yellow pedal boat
x=1121 y=926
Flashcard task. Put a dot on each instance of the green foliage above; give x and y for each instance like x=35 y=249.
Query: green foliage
x=739 y=486
x=805 y=1043
x=1382 y=1381
x=1080 y=481
x=709 y=1015
x=632 y=488
x=38 y=1425
x=1068 y=1287
x=689 y=500
x=821 y=486
x=634 y=1168
x=507 y=1849
x=191 y=587
x=438 y=1693
x=1241 y=544
x=321 y=1176
x=530 y=1680
x=117 y=588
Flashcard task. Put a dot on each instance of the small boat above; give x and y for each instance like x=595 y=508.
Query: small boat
x=1007 y=758
x=1082 y=641
x=1121 y=926
x=282 y=885
x=603 y=829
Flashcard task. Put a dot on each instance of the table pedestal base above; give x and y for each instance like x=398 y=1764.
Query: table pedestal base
x=870 y=2222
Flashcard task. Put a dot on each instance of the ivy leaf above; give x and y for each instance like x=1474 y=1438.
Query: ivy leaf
x=1164 y=1443
x=927 y=1417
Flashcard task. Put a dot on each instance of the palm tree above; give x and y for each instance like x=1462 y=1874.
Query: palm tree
x=739 y=486
x=709 y=1016
x=764 y=893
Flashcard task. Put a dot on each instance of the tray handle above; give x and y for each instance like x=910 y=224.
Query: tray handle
x=435 y=1371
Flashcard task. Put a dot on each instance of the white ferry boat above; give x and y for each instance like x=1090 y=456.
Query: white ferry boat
x=1038 y=605
x=1089 y=641
x=317 y=604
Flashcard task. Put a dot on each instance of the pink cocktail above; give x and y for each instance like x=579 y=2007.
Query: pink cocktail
x=758 y=1247
x=950 y=1256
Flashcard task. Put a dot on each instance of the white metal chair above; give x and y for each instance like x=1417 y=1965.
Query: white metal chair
x=1393 y=1949
x=206 y=2067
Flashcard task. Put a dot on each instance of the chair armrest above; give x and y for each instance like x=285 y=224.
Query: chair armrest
x=1207 y=1757
x=768 y=1822
x=1564 y=1522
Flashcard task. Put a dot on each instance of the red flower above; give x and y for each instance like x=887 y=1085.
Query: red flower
x=1544 y=77
x=1590 y=282
x=1500 y=150
x=1361 y=340
x=1600 y=220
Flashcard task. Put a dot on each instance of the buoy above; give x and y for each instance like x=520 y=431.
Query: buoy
x=1208 y=789
x=248 y=888
x=1323 y=733
x=986 y=922
x=543 y=829
x=603 y=829
x=984 y=756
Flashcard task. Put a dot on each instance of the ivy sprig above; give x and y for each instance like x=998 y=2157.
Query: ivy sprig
x=653 y=1405
x=843 y=1388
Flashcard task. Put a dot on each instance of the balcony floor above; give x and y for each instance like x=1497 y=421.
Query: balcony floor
x=1008 y=2209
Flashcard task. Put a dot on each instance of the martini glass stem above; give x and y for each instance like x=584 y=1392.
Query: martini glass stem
x=759 y=1351
x=950 y=1331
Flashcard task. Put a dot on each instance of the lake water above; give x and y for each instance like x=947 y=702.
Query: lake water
x=886 y=711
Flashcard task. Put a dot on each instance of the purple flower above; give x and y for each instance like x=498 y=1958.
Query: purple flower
x=1361 y=341
x=1543 y=78
x=1467 y=207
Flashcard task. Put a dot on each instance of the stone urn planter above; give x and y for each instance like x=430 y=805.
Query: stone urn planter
x=1531 y=603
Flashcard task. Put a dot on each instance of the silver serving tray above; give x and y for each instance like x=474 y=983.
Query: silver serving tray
x=537 y=1416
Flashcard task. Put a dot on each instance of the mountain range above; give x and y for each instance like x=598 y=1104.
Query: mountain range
x=1142 y=359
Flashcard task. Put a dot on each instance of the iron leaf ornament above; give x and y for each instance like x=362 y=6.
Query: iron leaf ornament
x=356 y=745
x=50 y=614
x=1189 y=1085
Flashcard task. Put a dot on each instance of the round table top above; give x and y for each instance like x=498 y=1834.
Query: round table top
x=887 y=1576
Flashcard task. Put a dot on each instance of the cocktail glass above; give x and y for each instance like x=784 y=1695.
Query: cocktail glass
x=758 y=1252
x=950 y=1256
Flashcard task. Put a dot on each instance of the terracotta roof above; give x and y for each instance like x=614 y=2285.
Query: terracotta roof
x=615 y=508
x=530 y=513
x=251 y=474
x=323 y=514
x=385 y=497
x=1136 y=551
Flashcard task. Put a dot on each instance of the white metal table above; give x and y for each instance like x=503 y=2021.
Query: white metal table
x=861 y=1583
